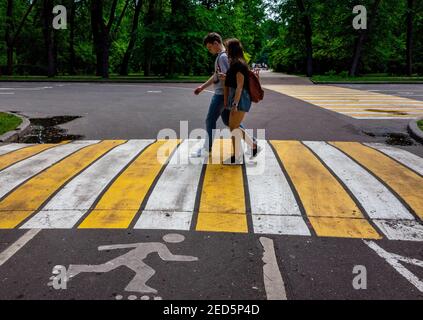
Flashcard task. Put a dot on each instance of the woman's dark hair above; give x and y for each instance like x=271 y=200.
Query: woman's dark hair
x=212 y=37
x=235 y=51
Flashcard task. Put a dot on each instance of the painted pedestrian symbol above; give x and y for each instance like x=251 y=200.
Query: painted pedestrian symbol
x=134 y=260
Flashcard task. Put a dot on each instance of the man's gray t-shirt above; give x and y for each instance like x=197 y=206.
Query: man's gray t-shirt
x=220 y=65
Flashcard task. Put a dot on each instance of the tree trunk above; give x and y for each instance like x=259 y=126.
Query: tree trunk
x=128 y=52
x=101 y=35
x=48 y=37
x=410 y=5
x=148 y=41
x=308 y=36
x=361 y=40
x=8 y=37
x=72 y=55
x=96 y=6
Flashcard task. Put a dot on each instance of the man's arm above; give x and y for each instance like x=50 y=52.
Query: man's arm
x=205 y=85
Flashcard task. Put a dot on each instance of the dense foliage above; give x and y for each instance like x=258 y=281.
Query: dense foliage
x=164 y=37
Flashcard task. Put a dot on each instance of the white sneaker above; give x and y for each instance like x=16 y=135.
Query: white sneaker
x=202 y=152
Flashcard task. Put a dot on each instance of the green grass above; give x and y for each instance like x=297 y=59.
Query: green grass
x=113 y=78
x=371 y=78
x=420 y=124
x=8 y=122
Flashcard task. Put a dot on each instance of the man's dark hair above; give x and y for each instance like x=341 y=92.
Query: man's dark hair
x=212 y=37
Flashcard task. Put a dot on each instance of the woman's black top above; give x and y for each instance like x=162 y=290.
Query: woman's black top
x=231 y=74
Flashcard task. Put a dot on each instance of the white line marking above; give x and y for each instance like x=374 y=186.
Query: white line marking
x=381 y=113
x=384 y=118
x=171 y=204
x=14 y=175
x=406 y=158
x=15 y=247
x=273 y=282
x=77 y=197
x=404 y=230
x=10 y=93
x=271 y=197
x=394 y=259
x=279 y=224
x=12 y=147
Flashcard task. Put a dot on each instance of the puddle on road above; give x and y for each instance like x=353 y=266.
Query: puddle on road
x=46 y=130
x=394 y=112
x=399 y=139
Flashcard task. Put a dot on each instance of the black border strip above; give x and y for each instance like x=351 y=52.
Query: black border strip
x=40 y=208
x=348 y=191
x=248 y=211
x=294 y=191
x=152 y=186
x=194 y=219
x=401 y=200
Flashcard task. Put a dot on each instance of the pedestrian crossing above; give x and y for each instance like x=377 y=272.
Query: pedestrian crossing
x=358 y=104
x=303 y=188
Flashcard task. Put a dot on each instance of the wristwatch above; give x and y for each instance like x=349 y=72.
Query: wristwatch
x=235 y=104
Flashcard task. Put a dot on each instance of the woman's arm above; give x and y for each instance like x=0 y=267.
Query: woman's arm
x=239 y=88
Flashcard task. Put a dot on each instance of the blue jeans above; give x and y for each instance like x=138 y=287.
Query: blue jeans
x=216 y=109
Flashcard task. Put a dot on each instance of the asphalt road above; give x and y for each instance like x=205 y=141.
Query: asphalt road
x=228 y=265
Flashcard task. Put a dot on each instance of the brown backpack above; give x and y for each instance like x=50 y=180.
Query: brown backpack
x=256 y=91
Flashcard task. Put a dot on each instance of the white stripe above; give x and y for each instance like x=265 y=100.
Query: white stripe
x=406 y=158
x=383 y=118
x=403 y=113
x=10 y=93
x=393 y=260
x=367 y=105
x=362 y=101
x=16 y=174
x=406 y=230
x=376 y=199
x=278 y=224
x=15 y=247
x=12 y=147
x=273 y=281
x=77 y=197
x=171 y=204
x=271 y=197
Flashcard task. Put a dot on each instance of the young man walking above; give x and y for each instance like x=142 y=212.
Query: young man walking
x=214 y=44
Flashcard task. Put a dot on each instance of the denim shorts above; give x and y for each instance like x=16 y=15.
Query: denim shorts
x=244 y=101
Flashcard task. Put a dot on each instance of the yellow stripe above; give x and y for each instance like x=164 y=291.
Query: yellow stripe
x=121 y=202
x=406 y=183
x=330 y=209
x=10 y=158
x=30 y=196
x=379 y=115
x=222 y=203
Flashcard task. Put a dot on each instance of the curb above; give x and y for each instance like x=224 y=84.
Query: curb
x=15 y=135
x=414 y=130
